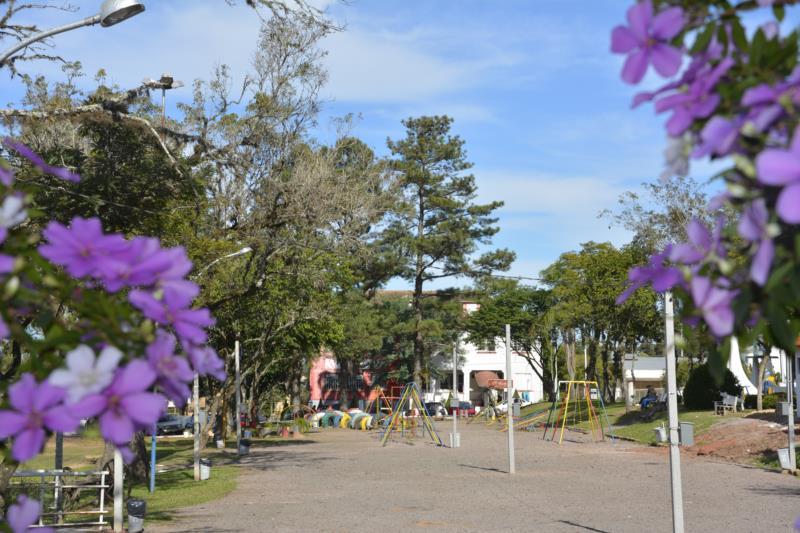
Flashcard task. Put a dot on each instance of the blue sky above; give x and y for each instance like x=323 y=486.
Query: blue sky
x=531 y=85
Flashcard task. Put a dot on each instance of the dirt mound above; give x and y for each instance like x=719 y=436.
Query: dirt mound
x=742 y=440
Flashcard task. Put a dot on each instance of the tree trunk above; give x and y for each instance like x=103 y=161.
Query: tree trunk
x=419 y=341
x=569 y=352
x=762 y=370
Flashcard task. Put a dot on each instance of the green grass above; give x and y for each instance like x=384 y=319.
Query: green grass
x=178 y=489
x=630 y=426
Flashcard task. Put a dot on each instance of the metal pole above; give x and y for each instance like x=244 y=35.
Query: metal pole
x=153 y=460
x=455 y=440
x=510 y=412
x=59 y=465
x=88 y=21
x=585 y=361
x=790 y=422
x=672 y=406
x=196 y=404
x=118 y=480
x=238 y=398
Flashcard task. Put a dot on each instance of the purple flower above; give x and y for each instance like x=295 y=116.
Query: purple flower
x=206 y=362
x=24 y=514
x=6 y=176
x=125 y=404
x=718 y=137
x=173 y=278
x=173 y=370
x=766 y=100
x=661 y=277
x=172 y=309
x=702 y=243
x=7 y=263
x=36 y=407
x=646 y=41
x=698 y=101
x=83 y=249
x=753 y=228
x=781 y=168
x=139 y=264
x=714 y=303
x=33 y=157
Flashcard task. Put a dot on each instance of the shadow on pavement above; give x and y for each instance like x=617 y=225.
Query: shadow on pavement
x=587 y=528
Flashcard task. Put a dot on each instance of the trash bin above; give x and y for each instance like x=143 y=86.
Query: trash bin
x=205 y=469
x=783 y=458
x=248 y=434
x=686 y=433
x=136 y=512
x=244 y=447
x=784 y=408
x=516 y=406
x=661 y=434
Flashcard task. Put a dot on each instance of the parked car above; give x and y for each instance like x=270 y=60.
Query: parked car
x=463 y=408
x=170 y=425
x=436 y=409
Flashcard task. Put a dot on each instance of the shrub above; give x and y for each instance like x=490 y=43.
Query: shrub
x=768 y=401
x=702 y=390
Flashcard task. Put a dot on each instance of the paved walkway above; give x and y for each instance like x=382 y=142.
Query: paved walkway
x=344 y=481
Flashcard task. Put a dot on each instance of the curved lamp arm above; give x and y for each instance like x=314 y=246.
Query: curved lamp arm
x=88 y=21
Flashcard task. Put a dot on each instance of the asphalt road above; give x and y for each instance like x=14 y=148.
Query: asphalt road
x=344 y=481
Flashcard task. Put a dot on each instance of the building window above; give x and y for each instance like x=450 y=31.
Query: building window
x=332 y=382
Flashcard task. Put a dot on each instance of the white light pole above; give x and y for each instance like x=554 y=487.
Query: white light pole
x=118 y=481
x=196 y=388
x=790 y=422
x=509 y=411
x=111 y=12
x=672 y=407
x=238 y=400
x=455 y=441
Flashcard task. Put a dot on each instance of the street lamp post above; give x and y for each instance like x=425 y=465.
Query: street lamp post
x=111 y=12
x=196 y=387
x=165 y=83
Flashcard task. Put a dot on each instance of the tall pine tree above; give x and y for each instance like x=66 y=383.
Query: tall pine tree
x=435 y=225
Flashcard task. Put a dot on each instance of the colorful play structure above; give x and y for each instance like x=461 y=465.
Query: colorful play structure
x=408 y=421
x=577 y=401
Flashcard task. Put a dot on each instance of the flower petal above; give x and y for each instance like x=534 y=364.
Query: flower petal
x=639 y=16
x=60 y=419
x=144 y=407
x=666 y=59
x=635 y=67
x=668 y=23
x=47 y=395
x=109 y=359
x=11 y=423
x=623 y=40
x=22 y=393
x=762 y=261
x=89 y=406
x=27 y=444
x=135 y=377
x=116 y=427
x=777 y=167
x=23 y=514
x=81 y=359
x=788 y=205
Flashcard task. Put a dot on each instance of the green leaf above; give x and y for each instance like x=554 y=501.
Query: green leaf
x=703 y=38
x=738 y=34
x=718 y=361
x=778 y=275
x=779 y=325
x=779 y=11
x=757 y=47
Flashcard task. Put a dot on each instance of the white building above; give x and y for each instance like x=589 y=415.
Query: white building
x=478 y=364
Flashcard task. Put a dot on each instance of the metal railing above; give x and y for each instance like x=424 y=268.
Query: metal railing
x=50 y=488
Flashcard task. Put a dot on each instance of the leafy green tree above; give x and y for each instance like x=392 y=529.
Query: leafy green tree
x=435 y=226
x=534 y=333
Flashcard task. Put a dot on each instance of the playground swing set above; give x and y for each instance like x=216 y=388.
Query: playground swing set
x=577 y=401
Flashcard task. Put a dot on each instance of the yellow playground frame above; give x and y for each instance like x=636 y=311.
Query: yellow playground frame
x=578 y=393
x=410 y=393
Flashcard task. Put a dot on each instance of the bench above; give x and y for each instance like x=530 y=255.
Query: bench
x=728 y=403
